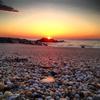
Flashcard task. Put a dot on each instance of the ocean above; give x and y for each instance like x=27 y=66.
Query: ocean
x=77 y=43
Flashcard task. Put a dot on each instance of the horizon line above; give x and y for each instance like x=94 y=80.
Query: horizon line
x=52 y=38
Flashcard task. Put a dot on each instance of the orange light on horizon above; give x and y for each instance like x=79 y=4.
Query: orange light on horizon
x=49 y=23
x=49 y=38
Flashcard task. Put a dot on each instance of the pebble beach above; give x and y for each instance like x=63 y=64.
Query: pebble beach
x=29 y=72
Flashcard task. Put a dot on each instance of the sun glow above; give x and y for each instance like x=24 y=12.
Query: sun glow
x=49 y=23
x=49 y=37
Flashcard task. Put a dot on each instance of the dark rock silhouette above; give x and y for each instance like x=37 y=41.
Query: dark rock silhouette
x=82 y=46
x=41 y=42
x=48 y=40
x=15 y=40
x=21 y=41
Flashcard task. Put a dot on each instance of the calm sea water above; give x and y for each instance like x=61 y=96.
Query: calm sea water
x=77 y=43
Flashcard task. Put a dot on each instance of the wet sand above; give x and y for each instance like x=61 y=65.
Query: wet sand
x=75 y=73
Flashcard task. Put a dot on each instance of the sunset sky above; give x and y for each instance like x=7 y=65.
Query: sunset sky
x=50 y=18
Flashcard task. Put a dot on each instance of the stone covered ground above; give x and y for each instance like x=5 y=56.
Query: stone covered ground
x=47 y=73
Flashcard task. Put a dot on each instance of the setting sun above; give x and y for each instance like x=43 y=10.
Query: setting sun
x=50 y=20
x=49 y=37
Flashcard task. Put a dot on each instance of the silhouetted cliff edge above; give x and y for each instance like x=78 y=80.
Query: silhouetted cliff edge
x=15 y=40
x=48 y=40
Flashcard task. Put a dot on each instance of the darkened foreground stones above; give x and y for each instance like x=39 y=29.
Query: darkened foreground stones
x=64 y=74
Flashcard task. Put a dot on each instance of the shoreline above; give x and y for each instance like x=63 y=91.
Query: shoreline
x=50 y=46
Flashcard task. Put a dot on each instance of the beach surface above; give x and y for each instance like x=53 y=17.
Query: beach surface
x=49 y=73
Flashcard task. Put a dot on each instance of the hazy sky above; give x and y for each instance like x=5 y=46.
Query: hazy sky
x=55 y=18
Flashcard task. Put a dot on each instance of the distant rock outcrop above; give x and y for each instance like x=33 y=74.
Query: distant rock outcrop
x=15 y=40
x=41 y=42
x=48 y=40
x=21 y=41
